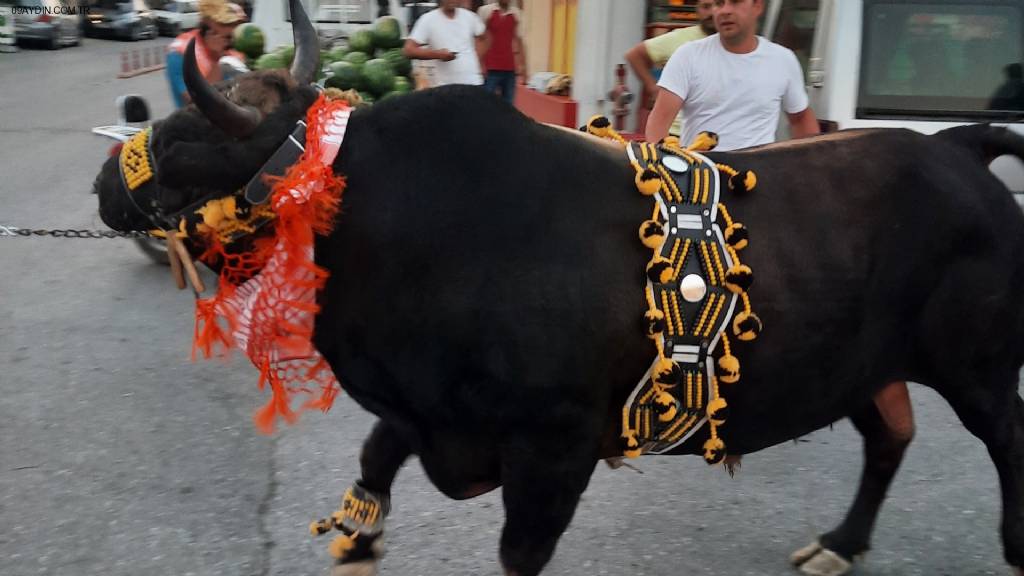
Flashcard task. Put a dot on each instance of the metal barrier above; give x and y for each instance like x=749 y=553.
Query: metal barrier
x=136 y=61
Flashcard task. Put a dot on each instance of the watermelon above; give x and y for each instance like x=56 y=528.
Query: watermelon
x=344 y=76
x=379 y=76
x=361 y=41
x=270 y=61
x=356 y=58
x=337 y=53
x=249 y=40
x=287 y=51
x=402 y=85
x=401 y=64
x=387 y=32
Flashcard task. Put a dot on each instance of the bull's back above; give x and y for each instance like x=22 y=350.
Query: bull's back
x=483 y=265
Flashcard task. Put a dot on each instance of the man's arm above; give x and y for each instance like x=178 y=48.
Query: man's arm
x=641 y=63
x=666 y=108
x=803 y=124
x=483 y=43
x=416 y=51
x=520 y=47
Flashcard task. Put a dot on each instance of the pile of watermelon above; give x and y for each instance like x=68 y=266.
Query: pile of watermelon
x=372 y=63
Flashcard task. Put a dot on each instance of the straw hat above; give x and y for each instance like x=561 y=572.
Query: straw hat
x=221 y=12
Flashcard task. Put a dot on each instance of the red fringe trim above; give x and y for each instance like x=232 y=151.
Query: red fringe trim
x=270 y=333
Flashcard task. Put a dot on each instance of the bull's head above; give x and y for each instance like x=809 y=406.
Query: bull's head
x=218 y=143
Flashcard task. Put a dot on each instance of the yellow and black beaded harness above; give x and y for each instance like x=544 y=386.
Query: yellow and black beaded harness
x=695 y=284
x=229 y=218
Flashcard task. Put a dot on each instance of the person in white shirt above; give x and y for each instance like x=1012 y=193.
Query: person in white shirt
x=732 y=83
x=454 y=37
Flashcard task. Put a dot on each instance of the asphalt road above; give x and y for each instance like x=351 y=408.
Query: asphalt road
x=120 y=456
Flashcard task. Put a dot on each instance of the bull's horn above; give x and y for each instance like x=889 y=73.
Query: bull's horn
x=238 y=121
x=307 y=47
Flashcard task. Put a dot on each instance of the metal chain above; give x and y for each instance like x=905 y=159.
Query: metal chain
x=69 y=233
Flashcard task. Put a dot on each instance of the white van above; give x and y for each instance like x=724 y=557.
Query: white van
x=926 y=65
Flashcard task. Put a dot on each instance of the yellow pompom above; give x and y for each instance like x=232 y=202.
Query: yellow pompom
x=319 y=527
x=746 y=326
x=744 y=181
x=630 y=445
x=655 y=322
x=648 y=182
x=714 y=450
x=340 y=546
x=728 y=369
x=599 y=126
x=704 y=142
x=718 y=411
x=667 y=372
x=666 y=406
x=659 y=270
x=738 y=278
x=736 y=236
x=652 y=234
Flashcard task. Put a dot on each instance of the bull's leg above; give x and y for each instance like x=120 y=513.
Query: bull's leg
x=992 y=410
x=365 y=505
x=543 y=478
x=887 y=425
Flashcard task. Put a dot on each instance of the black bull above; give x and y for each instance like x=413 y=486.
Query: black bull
x=486 y=295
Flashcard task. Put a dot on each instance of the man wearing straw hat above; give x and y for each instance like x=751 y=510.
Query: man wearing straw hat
x=218 y=20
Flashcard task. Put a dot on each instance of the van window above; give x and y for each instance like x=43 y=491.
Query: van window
x=795 y=28
x=951 y=60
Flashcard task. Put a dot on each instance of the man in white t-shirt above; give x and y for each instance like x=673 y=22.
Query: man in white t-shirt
x=453 y=36
x=732 y=83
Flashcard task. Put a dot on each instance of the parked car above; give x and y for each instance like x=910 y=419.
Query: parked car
x=125 y=19
x=54 y=23
x=175 y=16
x=925 y=65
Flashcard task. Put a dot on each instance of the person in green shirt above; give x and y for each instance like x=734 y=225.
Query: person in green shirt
x=655 y=52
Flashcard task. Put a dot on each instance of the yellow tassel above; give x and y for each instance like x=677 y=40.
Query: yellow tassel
x=341 y=545
x=652 y=234
x=746 y=326
x=714 y=449
x=728 y=369
x=704 y=142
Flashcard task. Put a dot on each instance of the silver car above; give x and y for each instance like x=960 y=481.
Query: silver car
x=54 y=23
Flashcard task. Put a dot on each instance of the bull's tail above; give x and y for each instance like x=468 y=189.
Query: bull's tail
x=985 y=141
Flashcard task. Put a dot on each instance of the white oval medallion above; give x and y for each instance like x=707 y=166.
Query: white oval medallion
x=693 y=288
x=675 y=164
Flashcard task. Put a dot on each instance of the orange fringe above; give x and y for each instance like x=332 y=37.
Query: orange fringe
x=279 y=347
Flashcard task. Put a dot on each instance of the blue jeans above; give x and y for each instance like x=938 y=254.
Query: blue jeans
x=501 y=82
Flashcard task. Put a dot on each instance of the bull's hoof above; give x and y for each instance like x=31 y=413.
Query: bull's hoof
x=815 y=560
x=363 y=568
